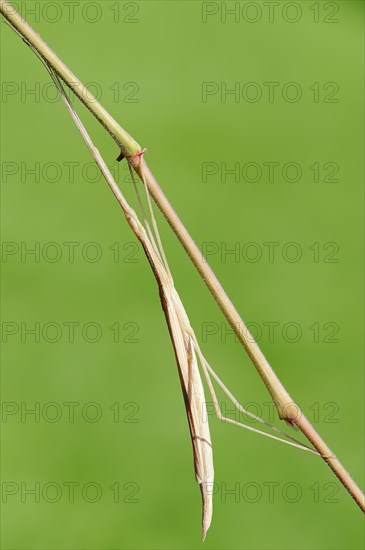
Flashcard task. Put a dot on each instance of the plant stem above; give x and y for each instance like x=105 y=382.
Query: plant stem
x=287 y=409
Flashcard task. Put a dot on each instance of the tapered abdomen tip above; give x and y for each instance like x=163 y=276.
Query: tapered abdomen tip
x=207 y=498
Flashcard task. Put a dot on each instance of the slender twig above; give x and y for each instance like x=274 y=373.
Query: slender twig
x=287 y=408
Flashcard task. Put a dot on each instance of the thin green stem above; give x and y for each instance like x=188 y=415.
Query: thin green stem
x=287 y=409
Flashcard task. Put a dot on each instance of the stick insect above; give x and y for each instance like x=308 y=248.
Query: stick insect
x=187 y=350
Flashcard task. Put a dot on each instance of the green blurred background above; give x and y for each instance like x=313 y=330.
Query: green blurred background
x=129 y=440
